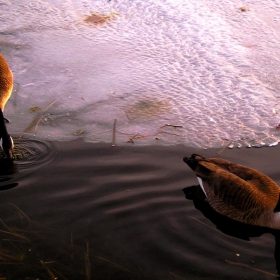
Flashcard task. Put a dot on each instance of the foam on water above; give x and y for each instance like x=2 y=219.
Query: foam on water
x=205 y=66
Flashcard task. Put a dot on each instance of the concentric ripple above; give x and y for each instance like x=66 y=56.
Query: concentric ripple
x=29 y=154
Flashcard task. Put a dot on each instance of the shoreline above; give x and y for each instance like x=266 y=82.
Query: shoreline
x=264 y=158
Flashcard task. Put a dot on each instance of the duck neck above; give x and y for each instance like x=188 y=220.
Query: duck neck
x=3 y=128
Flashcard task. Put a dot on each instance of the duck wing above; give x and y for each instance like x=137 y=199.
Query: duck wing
x=236 y=191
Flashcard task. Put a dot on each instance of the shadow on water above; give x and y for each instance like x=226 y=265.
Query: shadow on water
x=7 y=169
x=231 y=227
x=27 y=155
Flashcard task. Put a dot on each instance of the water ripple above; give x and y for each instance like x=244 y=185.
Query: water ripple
x=33 y=154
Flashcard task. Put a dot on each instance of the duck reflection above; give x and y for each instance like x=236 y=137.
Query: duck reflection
x=229 y=226
x=7 y=169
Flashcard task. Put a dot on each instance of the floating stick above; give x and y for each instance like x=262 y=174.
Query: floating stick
x=36 y=122
x=171 y=125
x=248 y=266
x=114 y=134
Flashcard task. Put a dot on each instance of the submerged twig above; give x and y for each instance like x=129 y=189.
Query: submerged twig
x=141 y=271
x=8 y=228
x=129 y=118
x=59 y=274
x=71 y=246
x=49 y=106
x=176 y=276
x=36 y=125
x=166 y=132
x=114 y=134
x=36 y=121
x=117 y=265
x=205 y=224
x=48 y=270
x=20 y=211
x=127 y=115
x=223 y=149
x=15 y=234
x=6 y=257
x=136 y=136
x=33 y=123
x=130 y=139
x=248 y=266
x=87 y=262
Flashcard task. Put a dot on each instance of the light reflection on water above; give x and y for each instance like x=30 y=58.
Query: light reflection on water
x=216 y=66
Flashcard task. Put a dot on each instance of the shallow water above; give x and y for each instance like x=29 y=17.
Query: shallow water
x=127 y=205
x=204 y=65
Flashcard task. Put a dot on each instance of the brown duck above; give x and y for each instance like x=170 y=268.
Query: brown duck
x=6 y=82
x=238 y=192
x=6 y=87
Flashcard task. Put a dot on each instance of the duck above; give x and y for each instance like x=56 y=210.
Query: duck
x=6 y=82
x=6 y=87
x=238 y=192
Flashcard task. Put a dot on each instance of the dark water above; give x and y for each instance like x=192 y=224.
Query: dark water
x=76 y=210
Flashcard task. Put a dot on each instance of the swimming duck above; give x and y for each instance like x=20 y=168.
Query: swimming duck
x=238 y=192
x=6 y=87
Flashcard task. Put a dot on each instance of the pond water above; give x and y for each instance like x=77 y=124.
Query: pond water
x=120 y=213
x=169 y=74
x=210 y=67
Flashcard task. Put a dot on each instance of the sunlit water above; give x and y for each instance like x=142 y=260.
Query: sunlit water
x=204 y=66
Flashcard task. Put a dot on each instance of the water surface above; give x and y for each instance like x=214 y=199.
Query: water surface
x=126 y=205
x=198 y=73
